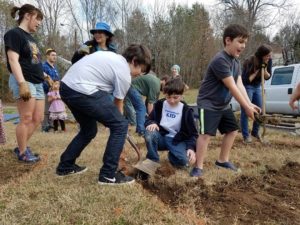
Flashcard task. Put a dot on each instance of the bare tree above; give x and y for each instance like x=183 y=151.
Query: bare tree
x=253 y=12
x=54 y=11
x=288 y=38
x=125 y=8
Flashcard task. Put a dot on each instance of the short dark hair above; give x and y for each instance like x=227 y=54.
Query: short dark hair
x=235 y=30
x=49 y=51
x=26 y=8
x=174 y=86
x=139 y=54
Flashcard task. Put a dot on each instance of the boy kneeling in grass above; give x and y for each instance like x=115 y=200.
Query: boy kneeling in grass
x=171 y=126
x=221 y=82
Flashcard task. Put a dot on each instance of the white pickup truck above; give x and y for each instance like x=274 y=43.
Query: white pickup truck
x=278 y=90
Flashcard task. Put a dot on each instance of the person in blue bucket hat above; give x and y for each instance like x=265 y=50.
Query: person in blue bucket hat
x=102 y=41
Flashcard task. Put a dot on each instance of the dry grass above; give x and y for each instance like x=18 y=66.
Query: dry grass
x=35 y=195
x=190 y=96
x=40 y=197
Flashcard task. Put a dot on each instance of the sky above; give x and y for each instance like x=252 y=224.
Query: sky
x=187 y=2
x=210 y=5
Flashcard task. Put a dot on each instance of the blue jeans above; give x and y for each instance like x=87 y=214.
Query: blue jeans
x=129 y=112
x=254 y=93
x=139 y=106
x=155 y=141
x=87 y=110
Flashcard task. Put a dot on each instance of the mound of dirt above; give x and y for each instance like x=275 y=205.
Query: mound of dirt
x=165 y=170
x=271 y=198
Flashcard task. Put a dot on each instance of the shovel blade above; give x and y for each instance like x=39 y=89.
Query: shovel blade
x=147 y=166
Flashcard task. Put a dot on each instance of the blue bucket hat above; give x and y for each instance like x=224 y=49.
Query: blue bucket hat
x=103 y=27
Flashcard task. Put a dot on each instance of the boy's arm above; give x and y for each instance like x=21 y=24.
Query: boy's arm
x=242 y=89
x=119 y=104
x=239 y=95
x=149 y=107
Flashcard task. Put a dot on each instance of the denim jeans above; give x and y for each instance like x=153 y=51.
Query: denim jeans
x=254 y=93
x=155 y=141
x=87 y=110
x=137 y=101
x=129 y=112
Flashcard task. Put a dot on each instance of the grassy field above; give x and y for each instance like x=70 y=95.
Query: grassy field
x=266 y=191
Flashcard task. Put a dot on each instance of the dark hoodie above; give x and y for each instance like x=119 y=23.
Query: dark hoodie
x=188 y=132
x=93 y=48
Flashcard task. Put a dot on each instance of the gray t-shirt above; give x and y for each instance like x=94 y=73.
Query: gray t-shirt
x=213 y=94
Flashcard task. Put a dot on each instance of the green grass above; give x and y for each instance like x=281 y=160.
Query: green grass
x=190 y=96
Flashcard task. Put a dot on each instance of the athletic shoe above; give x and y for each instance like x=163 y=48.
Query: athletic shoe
x=17 y=151
x=226 y=165
x=75 y=169
x=28 y=157
x=258 y=137
x=196 y=172
x=118 y=179
x=247 y=140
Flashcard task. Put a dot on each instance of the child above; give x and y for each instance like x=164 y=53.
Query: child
x=146 y=85
x=221 y=82
x=87 y=88
x=57 y=107
x=170 y=126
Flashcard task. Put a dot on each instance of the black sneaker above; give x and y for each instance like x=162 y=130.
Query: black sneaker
x=71 y=170
x=118 y=179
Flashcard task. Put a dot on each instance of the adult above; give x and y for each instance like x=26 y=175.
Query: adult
x=102 y=41
x=50 y=69
x=86 y=89
x=253 y=67
x=175 y=70
x=26 y=76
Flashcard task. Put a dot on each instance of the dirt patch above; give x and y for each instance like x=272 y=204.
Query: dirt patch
x=12 y=169
x=165 y=170
x=271 y=198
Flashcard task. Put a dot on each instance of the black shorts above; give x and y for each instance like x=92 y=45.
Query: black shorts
x=210 y=121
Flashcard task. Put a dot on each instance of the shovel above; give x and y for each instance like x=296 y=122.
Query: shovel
x=147 y=166
x=262 y=119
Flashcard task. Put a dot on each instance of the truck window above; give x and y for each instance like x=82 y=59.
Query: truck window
x=282 y=75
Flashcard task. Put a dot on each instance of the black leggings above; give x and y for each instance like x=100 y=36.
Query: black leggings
x=62 y=125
